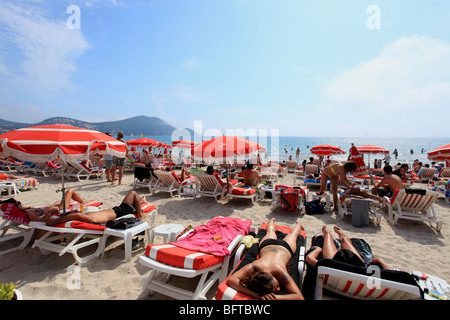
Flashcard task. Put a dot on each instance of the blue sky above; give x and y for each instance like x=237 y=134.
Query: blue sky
x=307 y=68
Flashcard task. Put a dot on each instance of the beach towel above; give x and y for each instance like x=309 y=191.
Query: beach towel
x=421 y=192
x=214 y=236
x=360 y=212
x=75 y=224
x=12 y=213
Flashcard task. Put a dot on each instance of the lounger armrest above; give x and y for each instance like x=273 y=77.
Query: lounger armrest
x=238 y=255
x=234 y=243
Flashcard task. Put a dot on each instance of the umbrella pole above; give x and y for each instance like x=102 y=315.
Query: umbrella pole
x=63 y=191
x=226 y=172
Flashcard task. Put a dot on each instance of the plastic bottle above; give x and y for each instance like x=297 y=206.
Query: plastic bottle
x=82 y=206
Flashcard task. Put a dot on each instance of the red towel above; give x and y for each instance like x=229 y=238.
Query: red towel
x=12 y=213
x=215 y=236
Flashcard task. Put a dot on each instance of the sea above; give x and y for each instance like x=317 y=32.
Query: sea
x=280 y=148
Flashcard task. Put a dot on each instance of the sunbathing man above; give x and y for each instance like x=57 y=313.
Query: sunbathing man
x=347 y=254
x=389 y=184
x=131 y=204
x=336 y=172
x=261 y=279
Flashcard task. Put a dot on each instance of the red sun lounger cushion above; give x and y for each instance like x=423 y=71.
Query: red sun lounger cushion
x=147 y=208
x=180 y=257
x=80 y=225
x=243 y=191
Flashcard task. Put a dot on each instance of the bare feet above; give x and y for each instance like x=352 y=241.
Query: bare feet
x=339 y=232
x=297 y=223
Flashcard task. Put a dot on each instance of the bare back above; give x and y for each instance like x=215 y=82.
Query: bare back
x=394 y=182
x=274 y=257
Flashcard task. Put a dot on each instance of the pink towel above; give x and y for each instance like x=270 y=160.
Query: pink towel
x=11 y=212
x=215 y=236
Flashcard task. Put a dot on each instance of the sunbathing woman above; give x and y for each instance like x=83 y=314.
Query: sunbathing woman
x=336 y=172
x=251 y=176
x=347 y=254
x=261 y=279
x=42 y=213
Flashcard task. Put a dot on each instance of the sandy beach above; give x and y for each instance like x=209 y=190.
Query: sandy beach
x=407 y=246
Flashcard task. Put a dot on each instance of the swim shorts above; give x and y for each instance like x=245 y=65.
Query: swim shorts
x=123 y=210
x=382 y=192
x=118 y=162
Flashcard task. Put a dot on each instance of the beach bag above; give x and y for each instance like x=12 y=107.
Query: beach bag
x=314 y=207
x=289 y=199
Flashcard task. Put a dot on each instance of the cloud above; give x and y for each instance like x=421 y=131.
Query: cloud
x=38 y=53
x=402 y=92
x=93 y=3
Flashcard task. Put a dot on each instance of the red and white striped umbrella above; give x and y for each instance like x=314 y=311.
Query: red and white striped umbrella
x=225 y=148
x=357 y=157
x=183 y=143
x=370 y=149
x=69 y=143
x=42 y=143
x=326 y=150
x=143 y=143
x=441 y=153
x=164 y=145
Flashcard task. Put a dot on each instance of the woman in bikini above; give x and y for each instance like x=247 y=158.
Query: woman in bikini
x=262 y=278
x=43 y=213
x=334 y=172
x=347 y=253
x=251 y=176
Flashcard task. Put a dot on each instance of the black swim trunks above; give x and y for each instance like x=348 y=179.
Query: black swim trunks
x=276 y=242
x=123 y=210
x=382 y=192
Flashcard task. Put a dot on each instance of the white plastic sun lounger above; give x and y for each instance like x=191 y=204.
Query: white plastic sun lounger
x=82 y=238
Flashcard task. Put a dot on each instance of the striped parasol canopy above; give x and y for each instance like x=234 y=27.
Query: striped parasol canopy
x=183 y=143
x=441 y=153
x=143 y=143
x=371 y=149
x=164 y=145
x=225 y=148
x=326 y=150
x=42 y=143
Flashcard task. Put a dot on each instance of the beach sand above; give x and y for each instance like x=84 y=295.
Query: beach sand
x=408 y=246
